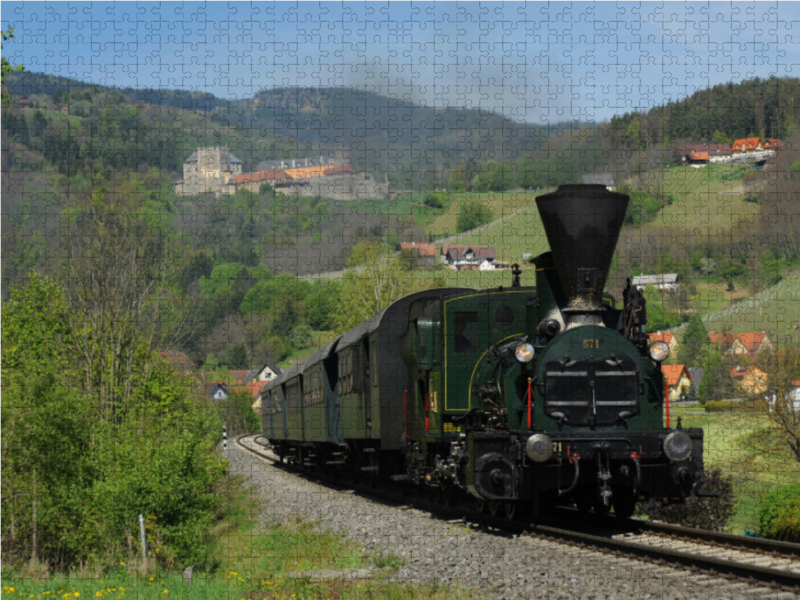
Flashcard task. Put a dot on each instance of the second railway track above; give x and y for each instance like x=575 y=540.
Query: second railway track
x=758 y=567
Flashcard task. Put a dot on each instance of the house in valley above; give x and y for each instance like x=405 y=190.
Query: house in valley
x=678 y=379
x=750 y=380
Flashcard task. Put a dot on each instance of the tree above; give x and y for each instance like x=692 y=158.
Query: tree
x=695 y=345
x=5 y=65
x=77 y=475
x=717 y=383
x=472 y=214
x=784 y=405
x=238 y=357
x=720 y=138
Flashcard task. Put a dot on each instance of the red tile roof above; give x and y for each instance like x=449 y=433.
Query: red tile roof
x=422 y=249
x=261 y=176
x=746 y=144
x=456 y=251
x=340 y=170
x=751 y=341
x=253 y=388
x=773 y=144
x=673 y=373
x=665 y=336
x=742 y=371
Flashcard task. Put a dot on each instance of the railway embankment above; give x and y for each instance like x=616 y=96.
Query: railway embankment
x=437 y=552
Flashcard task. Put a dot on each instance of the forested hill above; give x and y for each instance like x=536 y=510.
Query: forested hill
x=375 y=132
x=720 y=114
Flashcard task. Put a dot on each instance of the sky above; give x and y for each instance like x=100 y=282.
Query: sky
x=533 y=62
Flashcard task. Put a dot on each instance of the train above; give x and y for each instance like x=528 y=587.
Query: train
x=522 y=398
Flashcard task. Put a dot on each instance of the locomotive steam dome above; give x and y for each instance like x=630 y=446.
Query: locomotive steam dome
x=582 y=224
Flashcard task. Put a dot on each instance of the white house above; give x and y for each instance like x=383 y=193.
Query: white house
x=667 y=281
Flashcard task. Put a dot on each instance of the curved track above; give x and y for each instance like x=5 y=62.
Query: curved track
x=776 y=564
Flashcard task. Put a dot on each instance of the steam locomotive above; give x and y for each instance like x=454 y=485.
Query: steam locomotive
x=520 y=397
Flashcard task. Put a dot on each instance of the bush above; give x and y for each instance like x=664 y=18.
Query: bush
x=703 y=513
x=472 y=214
x=779 y=516
x=81 y=462
x=729 y=406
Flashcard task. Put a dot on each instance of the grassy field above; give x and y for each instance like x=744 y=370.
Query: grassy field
x=775 y=310
x=511 y=238
x=502 y=205
x=744 y=446
x=709 y=201
x=255 y=561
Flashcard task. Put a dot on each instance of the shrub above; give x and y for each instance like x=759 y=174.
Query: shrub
x=703 y=513
x=779 y=516
x=729 y=406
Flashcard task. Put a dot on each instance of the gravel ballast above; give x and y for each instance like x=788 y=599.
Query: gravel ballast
x=453 y=553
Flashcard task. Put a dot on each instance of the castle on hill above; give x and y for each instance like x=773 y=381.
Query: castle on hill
x=215 y=169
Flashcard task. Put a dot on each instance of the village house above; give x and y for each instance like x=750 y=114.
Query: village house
x=678 y=379
x=422 y=255
x=664 y=282
x=460 y=257
x=702 y=154
x=266 y=373
x=741 y=344
x=216 y=390
x=750 y=380
x=667 y=337
x=750 y=150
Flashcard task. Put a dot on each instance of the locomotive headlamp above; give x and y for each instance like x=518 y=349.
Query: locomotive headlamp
x=659 y=351
x=678 y=446
x=539 y=447
x=524 y=352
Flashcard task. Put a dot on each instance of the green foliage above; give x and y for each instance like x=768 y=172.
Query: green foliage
x=659 y=319
x=695 y=345
x=5 y=65
x=728 y=406
x=716 y=383
x=238 y=357
x=711 y=514
x=238 y=414
x=472 y=214
x=301 y=336
x=668 y=264
x=642 y=208
x=720 y=138
x=366 y=253
x=779 y=515
x=322 y=306
x=79 y=466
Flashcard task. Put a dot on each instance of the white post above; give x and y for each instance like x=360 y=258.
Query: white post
x=141 y=533
x=225 y=441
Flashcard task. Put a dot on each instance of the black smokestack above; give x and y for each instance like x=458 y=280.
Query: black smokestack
x=582 y=223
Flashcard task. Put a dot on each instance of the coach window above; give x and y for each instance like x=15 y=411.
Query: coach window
x=465 y=332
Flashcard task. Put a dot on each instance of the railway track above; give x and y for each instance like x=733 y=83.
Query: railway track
x=758 y=567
